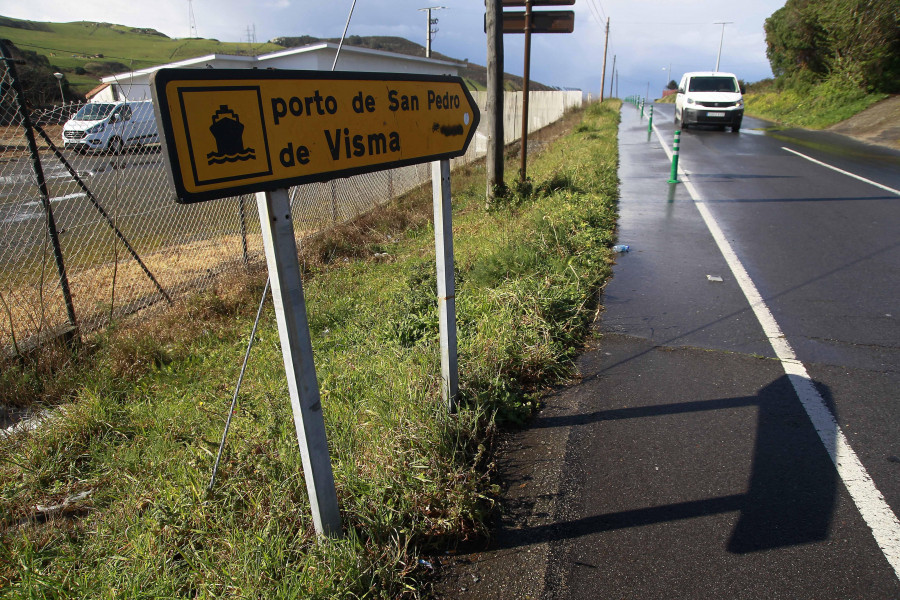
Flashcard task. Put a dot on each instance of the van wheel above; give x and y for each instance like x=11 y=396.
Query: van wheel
x=677 y=120
x=736 y=127
x=115 y=146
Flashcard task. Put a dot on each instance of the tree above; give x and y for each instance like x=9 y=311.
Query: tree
x=856 y=39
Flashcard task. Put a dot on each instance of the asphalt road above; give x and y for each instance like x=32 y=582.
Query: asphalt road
x=685 y=463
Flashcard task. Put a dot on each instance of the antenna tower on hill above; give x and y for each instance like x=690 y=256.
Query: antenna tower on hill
x=192 y=23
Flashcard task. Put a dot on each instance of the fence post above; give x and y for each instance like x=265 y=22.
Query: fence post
x=333 y=203
x=243 y=213
x=673 y=176
x=42 y=187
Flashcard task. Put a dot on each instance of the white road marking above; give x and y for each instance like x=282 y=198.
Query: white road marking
x=869 y=501
x=847 y=173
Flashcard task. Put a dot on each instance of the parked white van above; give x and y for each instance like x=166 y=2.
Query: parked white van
x=709 y=98
x=111 y=127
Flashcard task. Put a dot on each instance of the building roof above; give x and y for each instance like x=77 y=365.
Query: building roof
x=261 y=59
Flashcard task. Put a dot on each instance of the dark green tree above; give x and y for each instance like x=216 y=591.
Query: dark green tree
x=857 y=39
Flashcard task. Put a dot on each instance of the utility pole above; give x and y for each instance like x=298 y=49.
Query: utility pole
x=612 y=76
x=429 y=32
x=603 y=75
x=494 y=107
x=721 y=39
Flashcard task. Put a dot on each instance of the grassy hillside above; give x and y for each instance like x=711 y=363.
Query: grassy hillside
x=474 y=74
x=814 y=106
x=86 y=51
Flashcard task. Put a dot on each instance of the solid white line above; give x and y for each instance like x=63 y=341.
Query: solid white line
x=869 y=501
x=847 y=173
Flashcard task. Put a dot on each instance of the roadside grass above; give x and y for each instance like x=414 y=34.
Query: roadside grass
x=814 y=106
x=107 y=497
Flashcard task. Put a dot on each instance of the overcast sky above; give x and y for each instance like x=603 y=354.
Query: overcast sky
x=647 y=36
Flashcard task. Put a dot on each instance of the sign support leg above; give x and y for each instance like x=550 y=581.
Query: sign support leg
x=296 y=348
x=446 y=288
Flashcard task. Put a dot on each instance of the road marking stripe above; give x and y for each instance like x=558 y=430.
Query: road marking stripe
x=847 y=173
x=868 y=500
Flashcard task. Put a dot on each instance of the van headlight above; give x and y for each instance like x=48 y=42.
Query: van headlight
x=98 y=128
x=739 y=104
x=690 y=100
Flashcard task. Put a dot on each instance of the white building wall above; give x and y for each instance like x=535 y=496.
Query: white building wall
x=136 y=86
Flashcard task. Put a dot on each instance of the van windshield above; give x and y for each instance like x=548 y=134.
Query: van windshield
x=93 y=112
x=713 y=84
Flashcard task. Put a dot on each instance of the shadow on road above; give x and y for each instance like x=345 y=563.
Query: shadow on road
x=791 y=492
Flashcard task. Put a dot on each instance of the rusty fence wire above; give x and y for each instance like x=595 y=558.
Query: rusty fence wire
x=105 y=227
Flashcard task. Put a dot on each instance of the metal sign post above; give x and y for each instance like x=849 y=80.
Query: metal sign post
x=296 y=348
x=528 y=22
x=233 y=132
x=446 y=287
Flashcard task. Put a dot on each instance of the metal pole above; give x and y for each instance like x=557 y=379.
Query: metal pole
x=296 y=349
x=446 y=288
x=721 y=39
x=603 y=71
x=673 y=176
x=524 y=153
x=42 y=186
x=343 y=35
x=102 y=211
x=493 y=110
x=427 y=32
x=243 y=214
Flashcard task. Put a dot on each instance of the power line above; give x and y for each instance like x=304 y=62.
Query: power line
x=595 y=13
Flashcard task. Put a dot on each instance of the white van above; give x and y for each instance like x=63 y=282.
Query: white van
x=111 y=127
x=709 y=98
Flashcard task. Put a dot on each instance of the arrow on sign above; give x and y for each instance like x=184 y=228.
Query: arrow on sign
x=233 y=131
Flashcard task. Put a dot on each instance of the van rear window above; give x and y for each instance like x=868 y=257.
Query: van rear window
x=93 y=112
x=713 y=84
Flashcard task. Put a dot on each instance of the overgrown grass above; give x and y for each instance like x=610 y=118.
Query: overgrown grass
x=139 y=431
x=811 y=105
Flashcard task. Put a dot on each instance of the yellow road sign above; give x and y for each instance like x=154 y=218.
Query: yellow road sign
x=233 y=131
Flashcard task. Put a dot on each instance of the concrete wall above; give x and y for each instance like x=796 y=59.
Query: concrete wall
x=543 y=108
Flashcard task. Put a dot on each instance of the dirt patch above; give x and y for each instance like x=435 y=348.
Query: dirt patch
x=878 y=124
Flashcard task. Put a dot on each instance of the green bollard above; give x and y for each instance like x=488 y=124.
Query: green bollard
x=673 y=176
x=642 y=108
x=650 y=124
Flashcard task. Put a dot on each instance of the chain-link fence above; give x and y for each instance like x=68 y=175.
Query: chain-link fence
x=88 y=236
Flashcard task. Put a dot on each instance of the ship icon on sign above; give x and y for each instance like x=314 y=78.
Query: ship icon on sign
x=229 y=133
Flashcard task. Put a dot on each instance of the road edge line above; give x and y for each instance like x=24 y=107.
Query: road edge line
x=843 y=172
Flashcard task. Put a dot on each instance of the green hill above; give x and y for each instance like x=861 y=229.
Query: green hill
x=86 y=51
x=475 y=75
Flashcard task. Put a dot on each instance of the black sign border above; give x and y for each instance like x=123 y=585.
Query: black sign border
x=225 y=88
x=162 y=77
